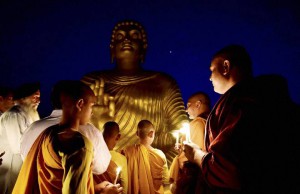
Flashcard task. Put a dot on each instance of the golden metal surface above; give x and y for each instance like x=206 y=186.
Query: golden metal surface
x=128 y=94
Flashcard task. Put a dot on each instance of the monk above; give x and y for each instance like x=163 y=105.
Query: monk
x=251 y=144
x=101 y=152
x=128 y=93
x=60 y=160
x=147 y=166
x=111 y=135
x=198 y=108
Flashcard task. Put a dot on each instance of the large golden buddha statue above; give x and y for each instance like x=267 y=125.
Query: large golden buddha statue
x=128 y=93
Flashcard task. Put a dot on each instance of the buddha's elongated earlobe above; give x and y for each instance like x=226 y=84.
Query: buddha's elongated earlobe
x=112 y=59
x=112 y=55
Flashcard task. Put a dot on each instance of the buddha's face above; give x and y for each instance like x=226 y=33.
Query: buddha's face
x=131 y=33
x=128 y=41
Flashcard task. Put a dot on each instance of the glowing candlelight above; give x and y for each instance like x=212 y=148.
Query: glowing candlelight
x=186 y=130
x=118 y=170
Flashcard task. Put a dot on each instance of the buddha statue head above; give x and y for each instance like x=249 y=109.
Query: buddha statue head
x=128 y=44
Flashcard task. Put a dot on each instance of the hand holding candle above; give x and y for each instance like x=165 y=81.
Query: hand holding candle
x=118 y=170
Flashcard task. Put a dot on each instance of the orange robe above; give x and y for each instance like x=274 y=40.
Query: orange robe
x=147 y=170
x=197 y=131
x=121 y=161
x=109 y=175
x=45 y=171
x=197 y=128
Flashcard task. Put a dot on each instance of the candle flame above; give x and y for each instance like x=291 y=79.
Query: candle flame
x=118 y=170
x=176 y=133
x=186 y=130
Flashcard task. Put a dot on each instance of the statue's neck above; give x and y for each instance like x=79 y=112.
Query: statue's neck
x=128 y=68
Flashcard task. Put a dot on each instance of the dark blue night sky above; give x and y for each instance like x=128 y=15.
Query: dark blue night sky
x=48 y=41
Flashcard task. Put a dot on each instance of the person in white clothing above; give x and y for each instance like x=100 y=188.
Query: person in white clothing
x=101 y=153
x=13 y=123
x=6 y=102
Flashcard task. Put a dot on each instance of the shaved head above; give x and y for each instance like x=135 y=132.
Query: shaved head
x=144 y=127
x=110 y=129
x=111 y=134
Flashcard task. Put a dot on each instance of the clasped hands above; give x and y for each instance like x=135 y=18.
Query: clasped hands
x=191 y=151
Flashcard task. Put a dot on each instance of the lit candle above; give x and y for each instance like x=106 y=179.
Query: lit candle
x=186 y=130
x=118 y=172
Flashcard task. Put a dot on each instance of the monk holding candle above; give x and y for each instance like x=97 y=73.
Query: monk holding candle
x=147 y=166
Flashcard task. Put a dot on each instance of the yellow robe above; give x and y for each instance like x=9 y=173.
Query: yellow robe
x=147 y=170
x=121 y=161
x=44 y=171
x=197 y=128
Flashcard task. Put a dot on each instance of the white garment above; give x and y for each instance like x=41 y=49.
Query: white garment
x=14 y=122
x=35 y=129
x=5 y=168
x=12 y=125
x=101 y=153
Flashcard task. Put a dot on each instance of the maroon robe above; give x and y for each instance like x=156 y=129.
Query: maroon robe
x=250 y=139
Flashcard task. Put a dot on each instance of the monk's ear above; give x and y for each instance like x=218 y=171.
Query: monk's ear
x=151 y=134
x=118 y=137
x=79 y=104
x=198 y=103
x=226 y=67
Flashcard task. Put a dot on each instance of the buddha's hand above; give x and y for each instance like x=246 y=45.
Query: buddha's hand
x=104 y=108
